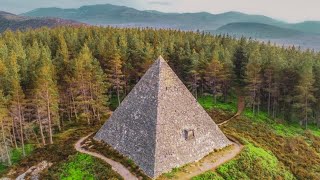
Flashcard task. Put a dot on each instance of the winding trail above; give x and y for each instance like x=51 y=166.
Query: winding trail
x=206 y=165
x=211 y=164
x=117 y=167
x=226 y=121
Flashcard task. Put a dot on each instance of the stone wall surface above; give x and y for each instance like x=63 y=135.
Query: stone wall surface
x=178 y=112
x=153 y=123
x=131 y=128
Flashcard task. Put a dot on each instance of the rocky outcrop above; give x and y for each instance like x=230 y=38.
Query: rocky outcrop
x=33 y=173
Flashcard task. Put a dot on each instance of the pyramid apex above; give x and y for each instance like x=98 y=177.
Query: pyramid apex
x=160 y=58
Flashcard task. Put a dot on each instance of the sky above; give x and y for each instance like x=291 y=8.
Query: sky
x=286 y=10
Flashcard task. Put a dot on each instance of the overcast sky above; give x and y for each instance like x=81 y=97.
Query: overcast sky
x=287 y=10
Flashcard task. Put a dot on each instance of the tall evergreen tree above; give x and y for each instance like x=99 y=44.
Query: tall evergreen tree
x=215 y=77
x=17 y=98
x=5 y=130
x=88 y=86
x=240 y=61
x=305 y=97
x=46 y=92
x=114 y=70
x=253 y=79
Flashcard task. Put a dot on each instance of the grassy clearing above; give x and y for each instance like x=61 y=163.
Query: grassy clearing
x=284 y=129
x=287 y=149
x=207 y=102
x=82 y=166
x=254 y=163
x=297 y=153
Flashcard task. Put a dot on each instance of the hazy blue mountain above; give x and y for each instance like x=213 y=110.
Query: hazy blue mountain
x=307 y=26
x=278 y=35
x=304 y=34
x=14 y=22
x=108 y=14
x=257 y=30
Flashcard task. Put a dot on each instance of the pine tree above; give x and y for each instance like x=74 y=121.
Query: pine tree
x=88 y=86
x=253 y=79
x=225 y=58
x=240 y=61
x=114 y=70
x=193 y=72
x=5 y=130
x=215 y=77
x=17 y=97
x=305 y=94
x=316 y=71
x=46 y=92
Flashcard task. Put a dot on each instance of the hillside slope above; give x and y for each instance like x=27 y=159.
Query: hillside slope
x=15 y=22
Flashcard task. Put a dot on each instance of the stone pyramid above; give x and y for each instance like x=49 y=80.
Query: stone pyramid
x=160 y=125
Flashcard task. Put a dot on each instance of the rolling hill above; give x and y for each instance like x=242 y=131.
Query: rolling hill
x=108 y=14
x=15 y=22
x=304 y=34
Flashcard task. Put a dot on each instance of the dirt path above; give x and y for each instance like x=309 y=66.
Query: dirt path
x=210 y=162
x=241 y=106
x=119 y=168
x=226 y=121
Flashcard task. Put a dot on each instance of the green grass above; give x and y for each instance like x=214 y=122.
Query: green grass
x=3 y=168
x=82 y=166
x=207 y=103
x=254 y=163
x=16 y=156
x=286 y=129
x=172 y=173
x=273 y=149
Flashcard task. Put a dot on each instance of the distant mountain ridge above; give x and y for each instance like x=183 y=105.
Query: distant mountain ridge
x=275 y=34
x=258 y=30
x=15 y=22
x=107 y=14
